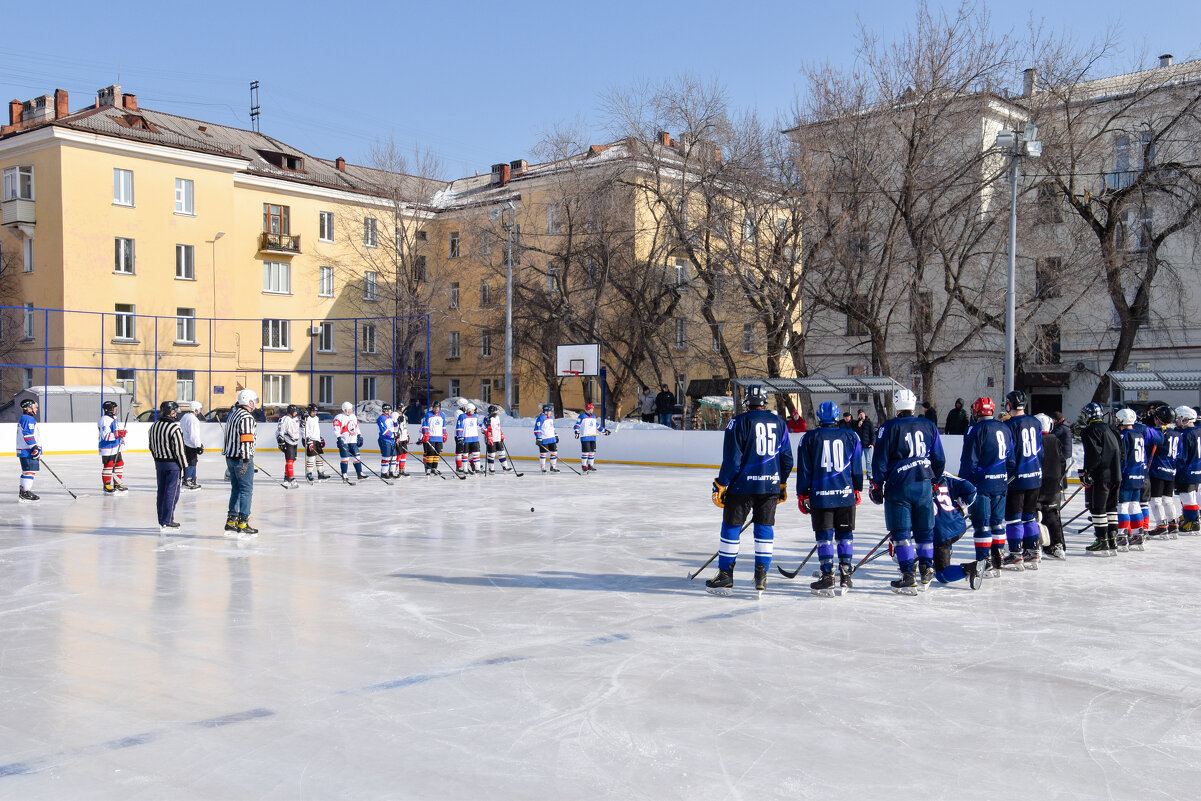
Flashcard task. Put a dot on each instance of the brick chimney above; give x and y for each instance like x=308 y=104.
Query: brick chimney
x=1029 y=81
x=340 y=163
x=109 y=96
x=14 y=112
x=1165 y=60
x=519 y=167
x=61 y=108
x=131 y=102
x=500 y=174
x=664 y=139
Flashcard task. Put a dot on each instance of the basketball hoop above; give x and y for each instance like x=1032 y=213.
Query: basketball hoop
x=575 y=373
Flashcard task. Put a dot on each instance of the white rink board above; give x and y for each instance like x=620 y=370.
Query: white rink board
x=437 y=639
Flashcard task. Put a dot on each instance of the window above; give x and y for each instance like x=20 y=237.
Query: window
x=27 y=255
x=185 y=327
x=27 y=378
x=856 y=319
x=370 y=387
x=277 y=219
x=1046 y=276
x=277 y=278
x=681 y=272
x=485 y=295
x=453 y=292
x=368 y=338
x=128 y=381
x=122 y=187
x=748 y=229
x=276 y=389
x=681 y=335
x=858 y=397
x=277 y=335
x=370 y=285
x=325 y=226
x=185 y=263
x=485 y=344
x=18 y=183
x=452 y=345
x=419 y=268
x=552 y=276
x=452 y=388
x=422 y=236
x=453 y=250
x=27 y=323
x=516 y=393
x=125 y=327
x=1134 y=231
x=183 y=197
x=554 y=219
x=1049 y=204
x=486 y=390
x=748 y=338
x=370 y=232
x=1047 y=346
x=325 y=390
x=123 y=258
x=325 y=282
x=325 y=339
x=185 y=385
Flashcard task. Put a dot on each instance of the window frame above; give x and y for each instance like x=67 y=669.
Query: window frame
x=277 y=215
x=453 y=295
x=325 y=225
x=279 y=329
x=12 y=188
x=325 y=389
x=277 y=388
x=367 y=339
x=370 y=232
x=119 y=187
x=370 y=387
x=186 y=204
x=370 y=285
x=185 y=262
x=325 y=288
x=125 y=325
x=276 y=274
x=185 y=387
x=454 y=245
x=184 y=322
x=454 y=345
x=325 y=338
x=119 y=256
x=485 y=343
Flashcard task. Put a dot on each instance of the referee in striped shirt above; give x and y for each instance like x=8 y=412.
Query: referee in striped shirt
x=166 y=446
x=240 y=431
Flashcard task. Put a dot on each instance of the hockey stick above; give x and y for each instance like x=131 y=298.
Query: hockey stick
x=509 y=458
x=691 y=576
x=60 y=481
x=868 y=556
x=339 y=473
x=569 y=467
x=377 y=475
x=1079 y=514
x=1070 y=499
x=455 y=470
x=786 y=574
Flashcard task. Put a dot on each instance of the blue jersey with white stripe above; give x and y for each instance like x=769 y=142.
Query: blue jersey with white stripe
x=951 y=495
x=756 y=454
x=1167 y=453
x=827 y=467
x=1028 y=445
x=27 y=435
x=907 y=449
x=988 y=459
x=1134 y=459
x=1188 y=465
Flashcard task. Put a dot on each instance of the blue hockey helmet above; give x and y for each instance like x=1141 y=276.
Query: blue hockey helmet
x=756 y=396
x=1092 y=412
x=827 y=413
x=547 y=408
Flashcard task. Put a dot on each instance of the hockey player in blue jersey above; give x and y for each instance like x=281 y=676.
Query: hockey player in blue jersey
x=1162 y=474
x=988 y=462
x=951 y=496
x=546 y=439
x=1188 y=469
x=433 y=434
x=908 y=455
x=1134 y=475
x=587 y=426
x=1021 y=501
x=756 y=461
x=1151 y=441
x=386 y=423
x=29 y=449
x=467 y=432
x=828 y=483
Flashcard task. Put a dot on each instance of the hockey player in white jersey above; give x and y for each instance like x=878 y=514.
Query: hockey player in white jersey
x=314 y=446
x=467 y=435
x=587 y=426
x=193 y=445
x=287 y=437
x=112 y=436
x=495 y=439
x=546 y=439
x=346 y=429
x=386 y=423
x=402 y=441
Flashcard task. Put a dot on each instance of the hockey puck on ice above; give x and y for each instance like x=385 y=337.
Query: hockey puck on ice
x=531 y=508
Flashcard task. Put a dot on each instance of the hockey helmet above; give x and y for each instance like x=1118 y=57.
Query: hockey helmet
x=1126 y=417
x=1165 y=415
x=493 y=409
x=347 y=407
x=436 y=405
x=1016 y=400
x=312 y=408
x=1185 y=414
x=109 y=407
x=247 y=397
x=195 y=406
x=293 y=409
x=1044 y=421
x=756 y=396
x=387 y=407
x=827 y=413
x=1092 y=412
x=983 y=407
x=547 y=408
x=168 y=409
x=904 y=401
x=469 y=408
x=588 y=407
x=27 y=404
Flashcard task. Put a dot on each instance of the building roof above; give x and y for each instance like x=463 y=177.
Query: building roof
x=1182 y=73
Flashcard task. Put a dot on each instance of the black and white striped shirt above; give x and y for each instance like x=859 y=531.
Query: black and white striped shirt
x=239 y=434
x=166 y=442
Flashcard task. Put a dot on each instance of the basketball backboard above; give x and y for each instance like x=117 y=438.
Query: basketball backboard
x=578 y=360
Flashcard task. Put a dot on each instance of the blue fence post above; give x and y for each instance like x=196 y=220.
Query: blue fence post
x=155 y=363
x=356 y=362
x=429 y=358
x=46 y=354
x=394 y=399
x=311 y=368
x=210 y=392
x=101 y=365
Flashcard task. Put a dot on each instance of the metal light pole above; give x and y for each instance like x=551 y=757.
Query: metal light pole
x=512 y=211
x=1017 y=144
x=212 y=242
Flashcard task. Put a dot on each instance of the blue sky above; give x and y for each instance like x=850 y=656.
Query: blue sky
x=477 y=83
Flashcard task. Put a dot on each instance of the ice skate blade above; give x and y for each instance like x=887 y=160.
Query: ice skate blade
x=905 y=590
x=720 y=591
x=823 y=593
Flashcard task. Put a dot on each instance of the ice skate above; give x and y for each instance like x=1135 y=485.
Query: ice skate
x=1123 y=542
x=824 y=586
x=905 y=585
x=844 y=579
x=927 y=576
x=1158 y=533
x=245 y=529
x=1173 y=529
x=1013 y=561
x=554 y=469
x=721 y=584
x=1057 y=552
x=25 y=496
x=120 y=487
x=109 y=489
x=760 y=577
x=1136 y=541
x=975 y=572
x=1030 y=558
x=231 y=525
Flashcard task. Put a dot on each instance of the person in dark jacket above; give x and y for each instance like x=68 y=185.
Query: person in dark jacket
x=930 y=413
x=1063 y=432
x=1102 y=477
x=867 y=435
x=848 y=422
x=957 y=421
x=665 y=403
x=1050 y=495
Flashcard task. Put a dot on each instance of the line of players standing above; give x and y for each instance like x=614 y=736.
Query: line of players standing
x=1011 y=479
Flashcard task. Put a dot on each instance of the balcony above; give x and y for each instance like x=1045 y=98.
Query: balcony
x=277 y=243
x=19 y=211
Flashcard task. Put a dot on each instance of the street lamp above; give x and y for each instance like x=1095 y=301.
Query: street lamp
x=1016 y=144
x=512 y=211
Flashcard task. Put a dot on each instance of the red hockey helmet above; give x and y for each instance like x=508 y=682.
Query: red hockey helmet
x=587 y=407
x=983 y=407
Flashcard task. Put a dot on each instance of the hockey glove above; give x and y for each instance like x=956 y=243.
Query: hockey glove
x=424 y=439
x=1085 y=478
x=359 y=440
x=607 y=432
x=279 y=442
x=783 y=495
x=538 y=441
x=488 y=439
x=802 y=503
x=857 y=497
x=876 y=493
x=577 y=435
x=35 y=452
x=121 y=433
x=719 y=495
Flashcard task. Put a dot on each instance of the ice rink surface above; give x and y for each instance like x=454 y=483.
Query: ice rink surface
x=437 y=639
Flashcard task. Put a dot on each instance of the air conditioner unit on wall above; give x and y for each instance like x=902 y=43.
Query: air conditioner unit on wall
x=315 y=331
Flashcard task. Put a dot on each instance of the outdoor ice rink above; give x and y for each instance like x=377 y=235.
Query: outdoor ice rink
x=439 y=640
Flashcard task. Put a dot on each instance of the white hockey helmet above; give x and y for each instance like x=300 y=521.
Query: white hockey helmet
x=1186 y=414
x=1044 y=421
x=347 y=407
x=247 y=397
x=1126 y=417
x=904 y=401
x=196 y=406
x=469 y=408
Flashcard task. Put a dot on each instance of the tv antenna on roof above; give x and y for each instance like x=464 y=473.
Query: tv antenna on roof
x=254 y=106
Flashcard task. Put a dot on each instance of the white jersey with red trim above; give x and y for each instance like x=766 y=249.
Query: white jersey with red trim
x=402 y=426
x=346 y=428
x=492 y=428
